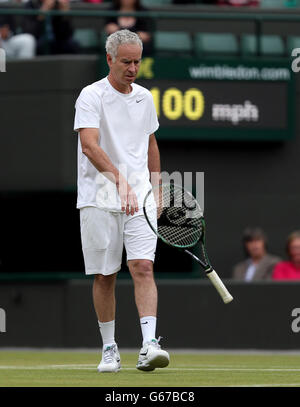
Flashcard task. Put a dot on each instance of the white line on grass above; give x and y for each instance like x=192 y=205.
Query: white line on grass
x=171 y=350
x=126 y=367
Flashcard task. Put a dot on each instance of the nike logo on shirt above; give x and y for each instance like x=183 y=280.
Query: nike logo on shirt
x=138 y=101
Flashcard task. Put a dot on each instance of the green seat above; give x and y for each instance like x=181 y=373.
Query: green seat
x=213 y=43
x=88 y=39
x=292 y=42
x=272 y=3
x=269 y=45
x=172 y=41
x=153 y=3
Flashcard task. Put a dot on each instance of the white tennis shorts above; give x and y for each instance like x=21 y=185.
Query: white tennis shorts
x=104 y=234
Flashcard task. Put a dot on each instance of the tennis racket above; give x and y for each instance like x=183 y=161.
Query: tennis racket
x=177 y=219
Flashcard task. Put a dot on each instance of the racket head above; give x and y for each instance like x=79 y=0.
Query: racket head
x=174 y=215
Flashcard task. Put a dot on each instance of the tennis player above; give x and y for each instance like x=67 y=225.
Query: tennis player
x=117 y=152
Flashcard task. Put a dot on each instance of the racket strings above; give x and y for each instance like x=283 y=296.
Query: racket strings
x=179 y=215
x=177 y=235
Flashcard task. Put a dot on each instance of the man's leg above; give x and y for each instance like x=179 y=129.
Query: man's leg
x=145 y=293
x=140 y=244
x=145 y=290
x=104 y=297
x=105 y=307
x=102 y=245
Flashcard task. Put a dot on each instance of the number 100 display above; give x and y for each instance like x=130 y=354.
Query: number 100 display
x=174 y=103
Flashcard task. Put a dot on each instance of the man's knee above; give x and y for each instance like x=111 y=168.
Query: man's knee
x=104 y=281
x=141 y=269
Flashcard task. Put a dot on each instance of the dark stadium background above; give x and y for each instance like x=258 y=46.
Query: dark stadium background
x=247 y=183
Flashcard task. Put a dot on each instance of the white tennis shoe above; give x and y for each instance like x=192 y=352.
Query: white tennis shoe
x=111 y=361
x=152 y=356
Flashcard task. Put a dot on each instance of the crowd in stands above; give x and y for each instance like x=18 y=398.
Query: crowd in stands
x=40 y=35
x=44 y=35
x=54 y=35
x=261 y=265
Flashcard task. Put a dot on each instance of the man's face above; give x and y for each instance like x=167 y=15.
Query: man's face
x=4 y=31
x=255 y=248
x=126 y=66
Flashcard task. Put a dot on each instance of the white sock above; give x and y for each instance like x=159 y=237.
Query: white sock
x=107 y=331
x=148 y=326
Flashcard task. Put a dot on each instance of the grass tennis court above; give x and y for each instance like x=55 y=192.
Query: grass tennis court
x=58 y=368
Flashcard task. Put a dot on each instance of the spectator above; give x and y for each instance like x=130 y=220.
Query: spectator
x=258 y=264
x=290 y=270
x=141 y=26
x=54 y=35
x=15 y=45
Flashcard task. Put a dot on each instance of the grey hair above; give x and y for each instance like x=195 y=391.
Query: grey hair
x=119 y=38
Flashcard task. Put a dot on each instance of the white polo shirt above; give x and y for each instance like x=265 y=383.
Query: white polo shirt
x=125 y=122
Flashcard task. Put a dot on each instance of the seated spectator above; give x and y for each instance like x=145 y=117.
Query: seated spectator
x=16 y=46
x=141 y=26
x=290 y=270
x=53 y=35
x=259 y=264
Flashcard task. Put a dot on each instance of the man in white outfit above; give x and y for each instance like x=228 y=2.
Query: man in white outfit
x=117 y=157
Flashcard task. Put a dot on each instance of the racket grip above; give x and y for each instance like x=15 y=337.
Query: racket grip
x=220 y=287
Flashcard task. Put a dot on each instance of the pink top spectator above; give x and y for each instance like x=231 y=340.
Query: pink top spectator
x=286 y=270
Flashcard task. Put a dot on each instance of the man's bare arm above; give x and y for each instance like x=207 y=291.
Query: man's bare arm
x=154 y=161
x=89 y=138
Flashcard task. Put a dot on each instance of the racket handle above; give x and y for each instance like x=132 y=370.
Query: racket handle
x=220 y=287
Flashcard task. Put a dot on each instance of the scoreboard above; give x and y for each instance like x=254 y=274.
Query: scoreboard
x=221 y=100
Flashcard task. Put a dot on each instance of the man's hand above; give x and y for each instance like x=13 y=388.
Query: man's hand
x=90 y=147
x=128 y=197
